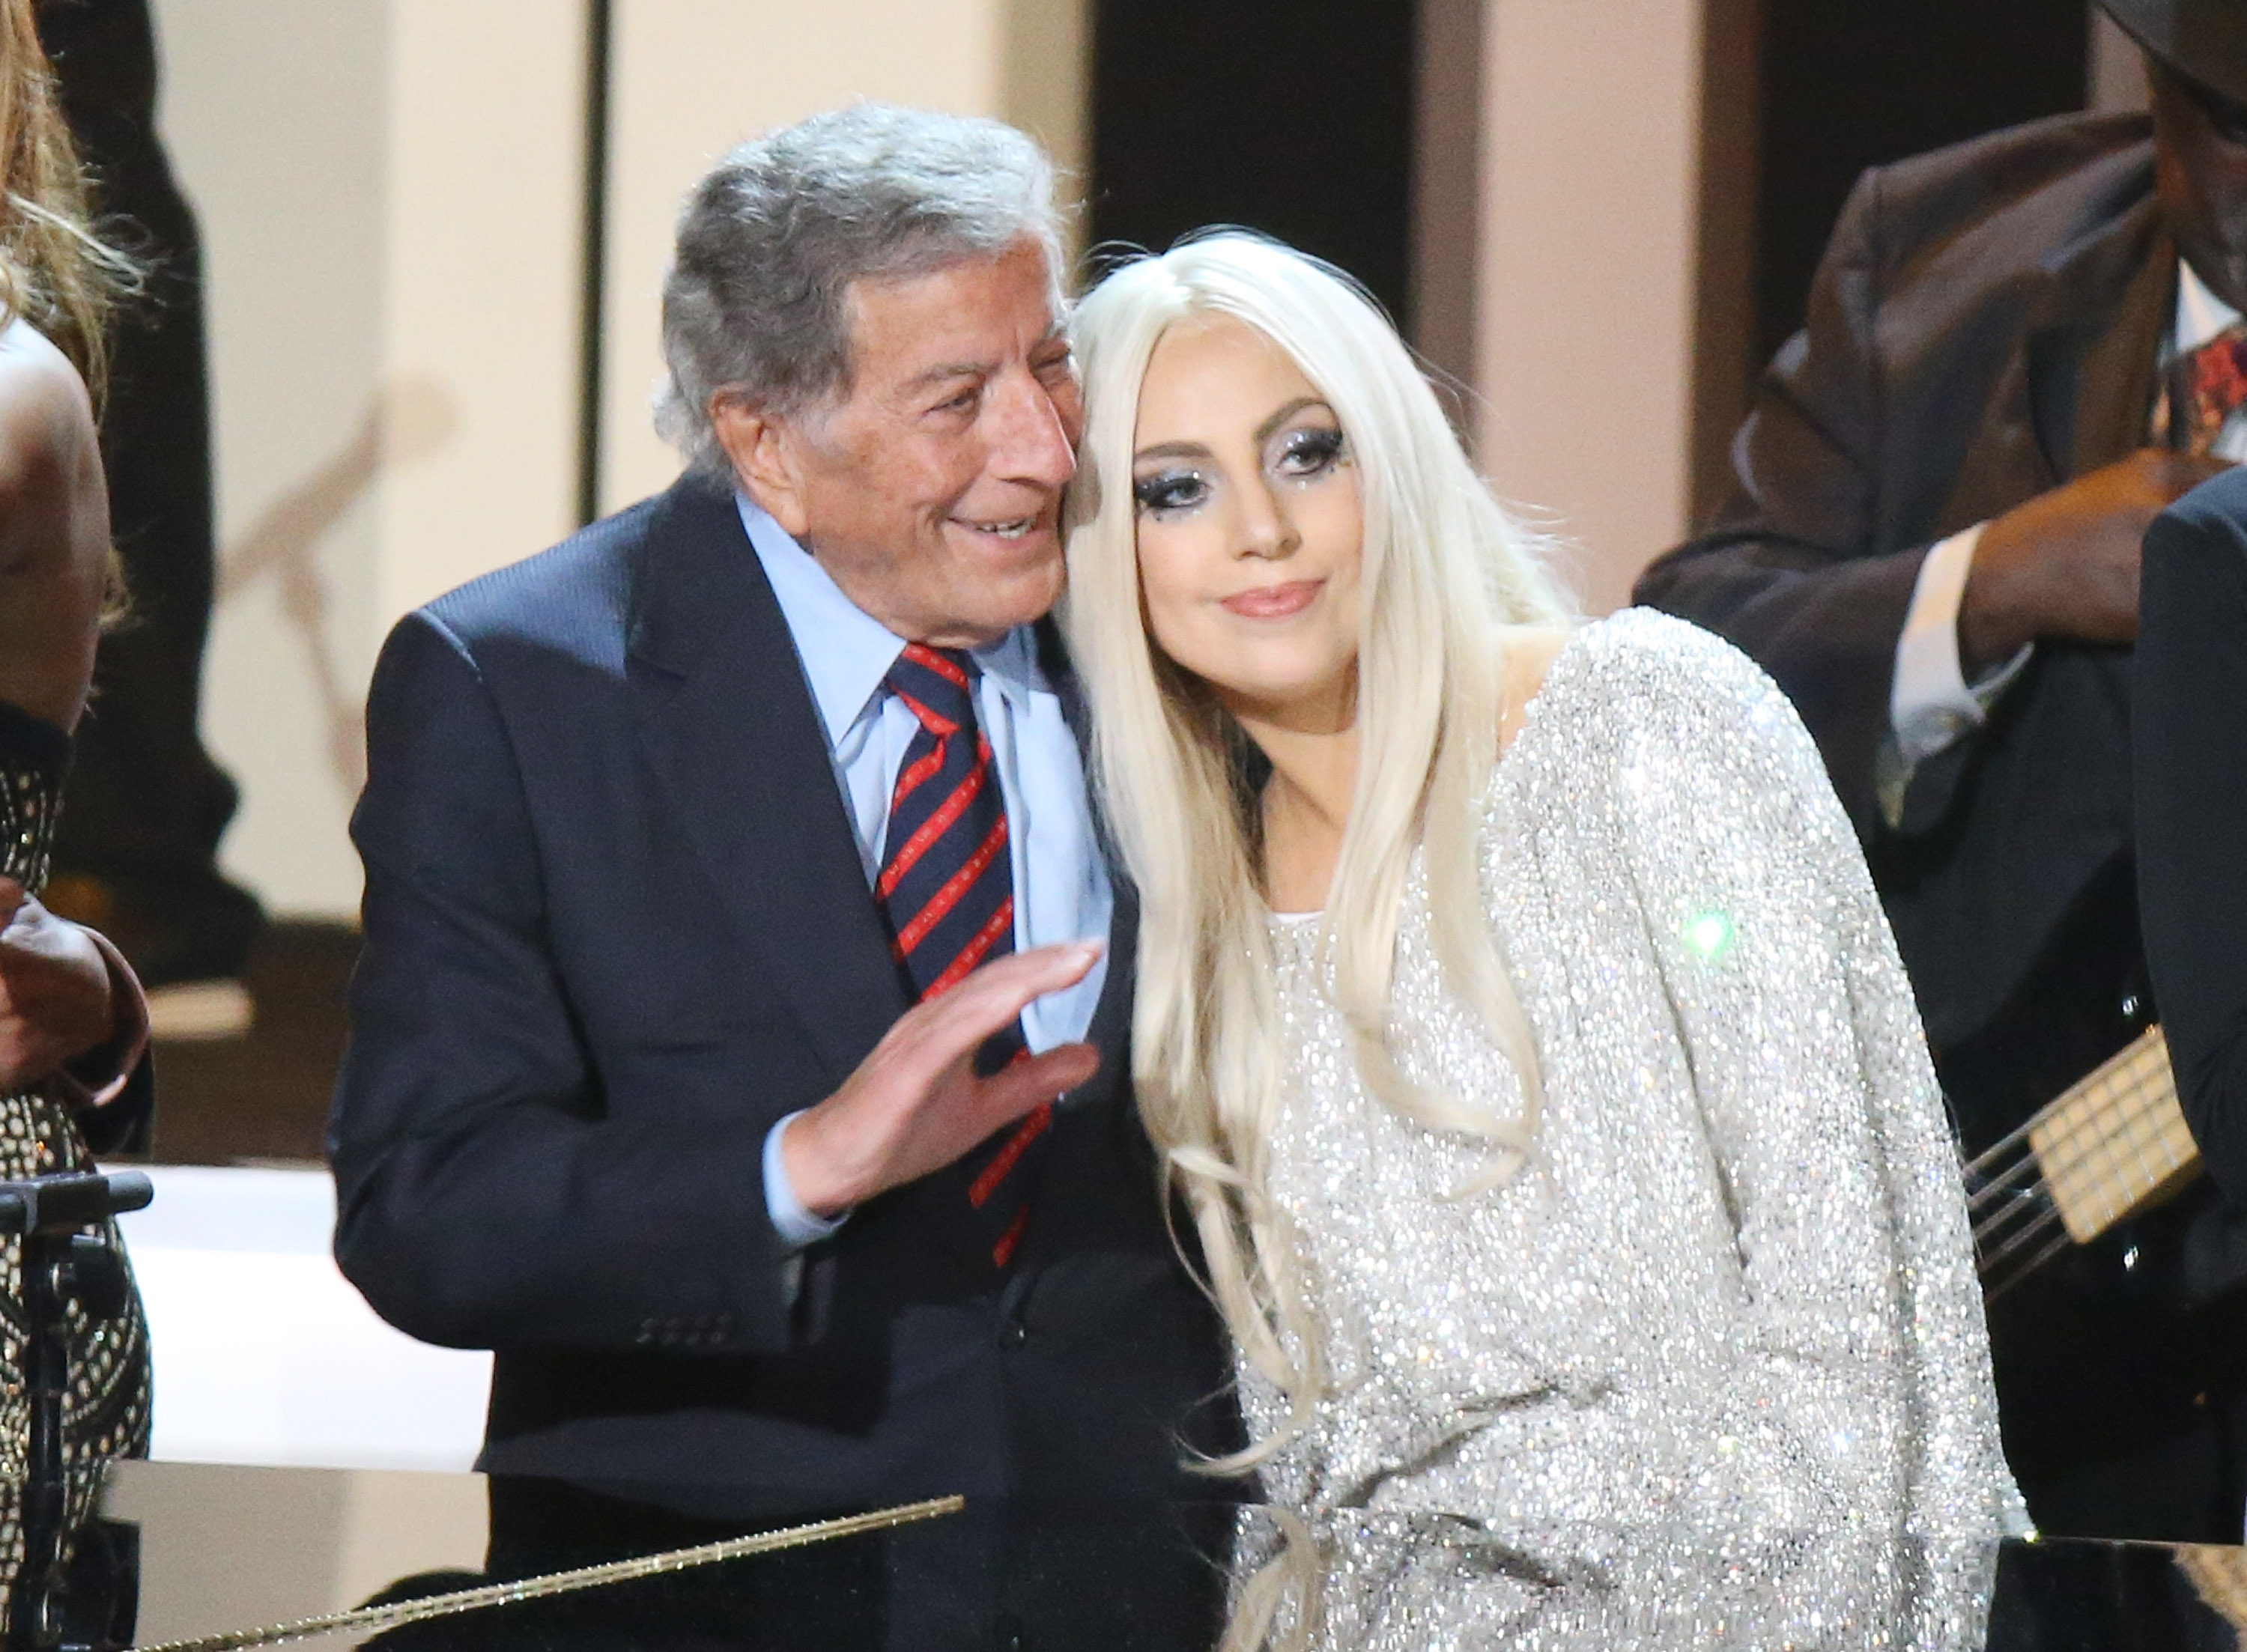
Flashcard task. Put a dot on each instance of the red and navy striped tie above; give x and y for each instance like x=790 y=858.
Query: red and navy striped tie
x=947 y=887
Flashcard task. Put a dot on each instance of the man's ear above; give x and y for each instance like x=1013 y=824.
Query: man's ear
x=768 y=454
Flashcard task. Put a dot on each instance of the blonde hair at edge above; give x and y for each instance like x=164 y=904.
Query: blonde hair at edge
x=55 y=272
x=1446 y=573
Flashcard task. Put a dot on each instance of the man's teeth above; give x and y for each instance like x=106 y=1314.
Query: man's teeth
x=1013 y=529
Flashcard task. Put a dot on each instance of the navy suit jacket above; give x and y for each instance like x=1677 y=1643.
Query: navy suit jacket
x=617 y=926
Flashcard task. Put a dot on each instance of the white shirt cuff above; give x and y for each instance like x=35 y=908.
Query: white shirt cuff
x=1931 y=706
x=796 y=1226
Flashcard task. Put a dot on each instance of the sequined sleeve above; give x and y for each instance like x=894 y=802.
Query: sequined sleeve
x=33 y=757
x=1862 y=1337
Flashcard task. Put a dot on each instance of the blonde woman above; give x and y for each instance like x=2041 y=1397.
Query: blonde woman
x=1515 y=1015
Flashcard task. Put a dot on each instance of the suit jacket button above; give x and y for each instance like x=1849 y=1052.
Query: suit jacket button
x=1014 y=1335
x=1007 y=1634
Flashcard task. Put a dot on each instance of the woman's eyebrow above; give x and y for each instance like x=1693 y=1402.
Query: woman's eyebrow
x=1197 y=450
x=1300 y=404
x=1171 y=450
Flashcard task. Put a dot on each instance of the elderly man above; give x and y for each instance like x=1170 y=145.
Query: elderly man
x=739 y=1048
x=2018 y=351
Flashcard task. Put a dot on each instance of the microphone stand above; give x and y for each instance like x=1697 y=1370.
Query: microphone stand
x=63 y=1263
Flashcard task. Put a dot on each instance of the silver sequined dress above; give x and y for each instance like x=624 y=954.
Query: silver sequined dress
x=1734 y=1294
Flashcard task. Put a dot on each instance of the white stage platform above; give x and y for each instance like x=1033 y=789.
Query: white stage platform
x=265 y=1354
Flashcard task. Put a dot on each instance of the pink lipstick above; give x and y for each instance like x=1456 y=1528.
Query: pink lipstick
x=1274 y=602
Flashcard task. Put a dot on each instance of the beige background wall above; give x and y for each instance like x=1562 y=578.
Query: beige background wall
x=1585 y=308
x=692 y=77
x=391 y=191
x=392 y=198
x=392 y=255
x=276 y=114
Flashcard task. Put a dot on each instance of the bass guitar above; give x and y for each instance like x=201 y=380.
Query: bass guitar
x=2110 y=1144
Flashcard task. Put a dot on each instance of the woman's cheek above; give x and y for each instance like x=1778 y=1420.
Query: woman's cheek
x=1159 y=589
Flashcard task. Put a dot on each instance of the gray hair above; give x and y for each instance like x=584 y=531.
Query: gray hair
x=771 y=239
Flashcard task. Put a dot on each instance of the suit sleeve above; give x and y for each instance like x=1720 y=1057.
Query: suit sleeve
x=2189 y=709
x=485 y=1198
x=1790 y=572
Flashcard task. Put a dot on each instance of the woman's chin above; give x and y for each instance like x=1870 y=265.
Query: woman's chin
x=1310 y=700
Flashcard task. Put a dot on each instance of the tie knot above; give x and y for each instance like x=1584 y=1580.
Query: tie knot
x=938 y=684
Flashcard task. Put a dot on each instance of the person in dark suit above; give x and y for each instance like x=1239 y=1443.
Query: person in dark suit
x=2190 y=734
x=2014 y=357
x=689 y=1068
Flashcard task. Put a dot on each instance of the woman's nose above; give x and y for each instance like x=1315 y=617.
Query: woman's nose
x=1265 y=528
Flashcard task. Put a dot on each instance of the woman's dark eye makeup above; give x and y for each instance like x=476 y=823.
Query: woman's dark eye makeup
x=1168 y=490
x=1303 y=454
x=1311 y=451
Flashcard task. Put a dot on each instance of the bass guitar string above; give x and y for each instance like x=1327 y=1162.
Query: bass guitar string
x=2141 y=1063
x=2137 y=1099
x=2116 y=1121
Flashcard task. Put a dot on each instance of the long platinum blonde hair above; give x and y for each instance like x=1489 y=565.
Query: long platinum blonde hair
x=1445 y=573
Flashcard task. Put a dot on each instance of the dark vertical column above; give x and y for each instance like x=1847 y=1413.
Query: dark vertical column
x=1724 y=339
x=1295 y=119
x=599 y=17
x=1847 y=85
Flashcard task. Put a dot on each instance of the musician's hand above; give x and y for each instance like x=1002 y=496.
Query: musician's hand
x=916 y=1103
x=2064 y=564
x=54 y=990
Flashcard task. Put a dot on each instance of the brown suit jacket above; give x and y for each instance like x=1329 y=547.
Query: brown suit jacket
x=1983 y=326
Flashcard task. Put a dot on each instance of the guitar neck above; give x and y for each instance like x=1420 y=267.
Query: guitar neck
x=2114 y=1142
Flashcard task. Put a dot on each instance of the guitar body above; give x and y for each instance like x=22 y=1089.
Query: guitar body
x=2117 y=1363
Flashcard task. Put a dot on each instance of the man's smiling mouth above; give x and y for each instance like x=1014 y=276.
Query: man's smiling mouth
x=1014 y=529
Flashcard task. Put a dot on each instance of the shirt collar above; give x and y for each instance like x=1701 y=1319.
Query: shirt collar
x=2201 y=316
x=846 y=652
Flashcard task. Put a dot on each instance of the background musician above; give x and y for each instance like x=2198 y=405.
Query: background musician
x=2017 y=351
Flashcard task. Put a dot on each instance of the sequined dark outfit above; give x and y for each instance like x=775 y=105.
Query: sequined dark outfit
x=107 y=1412
x=1735 y=1291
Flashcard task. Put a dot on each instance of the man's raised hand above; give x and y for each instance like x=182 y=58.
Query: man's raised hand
x=916 y=1103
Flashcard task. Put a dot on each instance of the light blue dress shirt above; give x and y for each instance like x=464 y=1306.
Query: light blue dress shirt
x=1062 y=891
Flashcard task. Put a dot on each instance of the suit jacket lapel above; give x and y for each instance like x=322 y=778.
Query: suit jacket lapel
x=2074 y=394
x=736 y=740
x=2090 y=367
